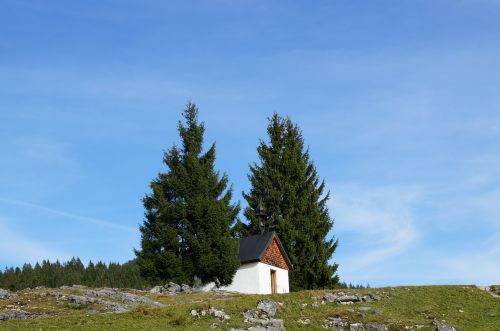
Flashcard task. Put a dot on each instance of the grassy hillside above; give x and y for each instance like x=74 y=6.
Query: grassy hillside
x=400 y=308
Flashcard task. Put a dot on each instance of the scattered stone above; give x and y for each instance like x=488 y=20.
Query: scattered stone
x=79 y=300
x=329 y=297
x=441 y=326
x=304 y=305
x=111 y=299
x=336 y=322
x=364 y=308
x=315 y=305
x=214 y=326
x=263 y=317
x=219 y=314
x=374 y=326
x=157 y=289
x=251 y=314
x=261 y=328
x=348 y=298
x=306 y=321
x=267 y=306
x=6 y=294
x=356 y=327
x=171 y=289
x=366 y=298
x=378 y=311
x=91 y=311
x=18 y=315
x=124 y=297
x=40 y=288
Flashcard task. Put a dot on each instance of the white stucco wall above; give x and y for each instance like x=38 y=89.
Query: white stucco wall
x=255 y=278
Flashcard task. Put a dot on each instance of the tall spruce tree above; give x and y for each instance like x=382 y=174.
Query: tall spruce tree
x=189 y=214
x=287 y=184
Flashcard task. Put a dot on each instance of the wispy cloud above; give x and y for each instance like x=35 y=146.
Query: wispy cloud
x=64 y=214
x=379 y=218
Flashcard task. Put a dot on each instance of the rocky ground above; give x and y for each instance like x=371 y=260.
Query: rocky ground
x=178 y=306
x=41 y=302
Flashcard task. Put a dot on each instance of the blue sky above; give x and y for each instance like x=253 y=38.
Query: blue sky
x=399 y=102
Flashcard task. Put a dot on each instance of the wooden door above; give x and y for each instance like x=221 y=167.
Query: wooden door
x=273 y=282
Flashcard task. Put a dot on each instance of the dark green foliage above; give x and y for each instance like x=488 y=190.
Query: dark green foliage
x=287 y=183
x=344 y=285
x=73 y=272
x=186 y=230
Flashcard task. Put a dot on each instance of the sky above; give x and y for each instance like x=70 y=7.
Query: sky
x=398 y=101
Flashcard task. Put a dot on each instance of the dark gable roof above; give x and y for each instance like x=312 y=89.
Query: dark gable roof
x=253 y=248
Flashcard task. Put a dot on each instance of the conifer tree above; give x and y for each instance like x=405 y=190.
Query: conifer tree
x=186 y=230
x=287 y=184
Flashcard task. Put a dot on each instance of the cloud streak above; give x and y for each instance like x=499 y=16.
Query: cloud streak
x=61 y=213
x=15 y=247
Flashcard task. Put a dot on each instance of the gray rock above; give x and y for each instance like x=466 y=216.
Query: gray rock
x=6 y=294
x=173 y=288
x=374 y=326
x=442 y=326
x=18 y=315
x=268 y=306
x=14 y=315
x=157 y=289
x=356 y=327
x=120 y=309
x=269 y=325
x=379 y=311
x=348 y=298
x=336 y=323
x=329 y=297
x=306 y=321
x=315 y=305
x=277 y=324
x=79 y=300
x=219 y=314
x=250 y=315
x=124 y=297
x=186 y=289
x=364 y=308
x=374 y=296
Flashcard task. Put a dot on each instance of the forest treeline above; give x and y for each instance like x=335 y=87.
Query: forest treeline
x=56 y=274
x=100 y=274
